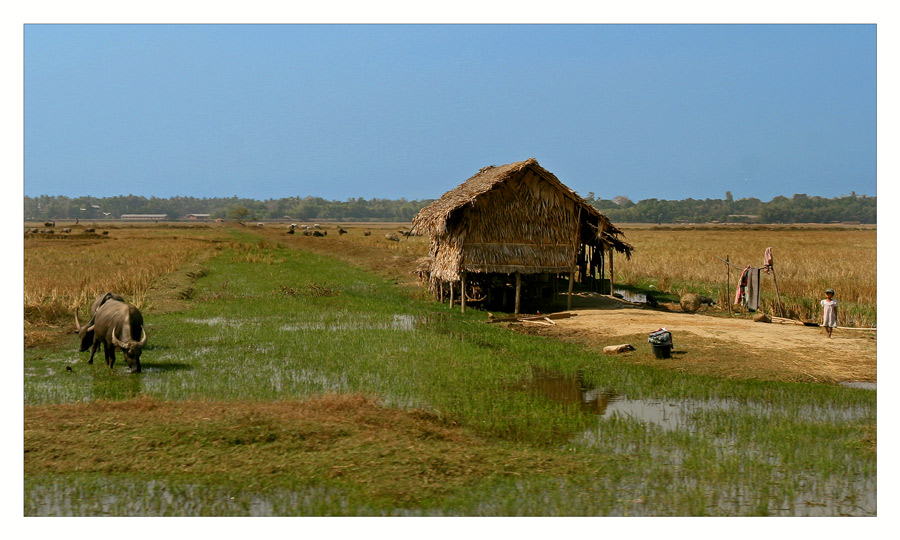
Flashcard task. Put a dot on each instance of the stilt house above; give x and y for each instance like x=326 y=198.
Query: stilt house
x=510 y=224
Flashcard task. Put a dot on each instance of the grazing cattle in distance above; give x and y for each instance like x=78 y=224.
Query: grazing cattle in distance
x=67 y=230
x=89 y=230
x=50 y=224
x=341 y=231
x=367 y=233
x=117 y=325
x=392 y=237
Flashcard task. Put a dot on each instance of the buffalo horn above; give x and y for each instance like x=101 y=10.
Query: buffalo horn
x=143 y=340
x=117 y=342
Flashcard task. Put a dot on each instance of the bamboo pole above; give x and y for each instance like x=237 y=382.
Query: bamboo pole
x=462 y=291
x=571 y=285
x=451 y=295
x=728 y=282
x=442 y=291
x=518 y=291
x=777 y=294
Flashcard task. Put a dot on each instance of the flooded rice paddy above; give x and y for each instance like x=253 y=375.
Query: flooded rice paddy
x=666 y=414
x=174 y=372
x=839 y=494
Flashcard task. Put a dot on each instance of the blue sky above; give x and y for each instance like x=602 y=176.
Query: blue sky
x=390 y=111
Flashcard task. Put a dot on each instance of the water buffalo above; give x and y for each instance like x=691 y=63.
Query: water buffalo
x=102 y=300
x=116 y=324
x=87 y=337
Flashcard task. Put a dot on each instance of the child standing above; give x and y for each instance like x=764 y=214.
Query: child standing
x=829 y=311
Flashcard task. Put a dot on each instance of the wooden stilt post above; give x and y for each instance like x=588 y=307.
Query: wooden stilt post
x=442 y=291
x=462 y=293
x=451 y=295
x=612 y=287
x=518 y=291
x=555 y=288
x=571 y=286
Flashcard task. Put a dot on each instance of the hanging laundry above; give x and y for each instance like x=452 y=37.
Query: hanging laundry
x=752 y=292
x=742 y=284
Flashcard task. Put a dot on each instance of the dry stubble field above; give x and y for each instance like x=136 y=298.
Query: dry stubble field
x=669 y=259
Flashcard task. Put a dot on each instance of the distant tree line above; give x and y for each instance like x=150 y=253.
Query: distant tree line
x=797 y=209
x=297 y=208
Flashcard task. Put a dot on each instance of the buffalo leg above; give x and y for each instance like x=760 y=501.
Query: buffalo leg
x=94 y=348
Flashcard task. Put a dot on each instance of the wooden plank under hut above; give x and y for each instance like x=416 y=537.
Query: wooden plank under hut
x=516 y=228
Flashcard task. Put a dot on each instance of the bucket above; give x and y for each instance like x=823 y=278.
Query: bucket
x=661 y=341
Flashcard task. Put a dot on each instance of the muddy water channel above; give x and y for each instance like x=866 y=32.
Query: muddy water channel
x=721 y=425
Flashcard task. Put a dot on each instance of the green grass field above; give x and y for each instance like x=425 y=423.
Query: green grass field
x=295 y=384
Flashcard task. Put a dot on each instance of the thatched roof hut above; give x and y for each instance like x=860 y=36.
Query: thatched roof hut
x=513 y=219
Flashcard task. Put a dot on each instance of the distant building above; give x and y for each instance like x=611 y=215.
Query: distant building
x=197 y=216
x=143 y=217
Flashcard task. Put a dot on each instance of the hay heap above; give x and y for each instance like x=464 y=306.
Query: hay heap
x=516 y=218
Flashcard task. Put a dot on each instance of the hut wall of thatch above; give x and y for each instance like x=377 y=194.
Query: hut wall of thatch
x=516 y=218
x=522 y=225
x=511 y=229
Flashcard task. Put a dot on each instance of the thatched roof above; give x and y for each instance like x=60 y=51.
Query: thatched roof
x=433 y=218
x=513 y=218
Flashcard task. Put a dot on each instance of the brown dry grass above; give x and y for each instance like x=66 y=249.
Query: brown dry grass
x=351 y=440
x=806 y=260
x=65 y=273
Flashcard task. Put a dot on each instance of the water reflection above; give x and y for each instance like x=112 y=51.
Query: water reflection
x=569 y=390
x=399 y=322
x=668 y=414
x=631 y=296
x=859 y=384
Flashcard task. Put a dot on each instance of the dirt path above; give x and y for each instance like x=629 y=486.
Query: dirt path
x=720 y=345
